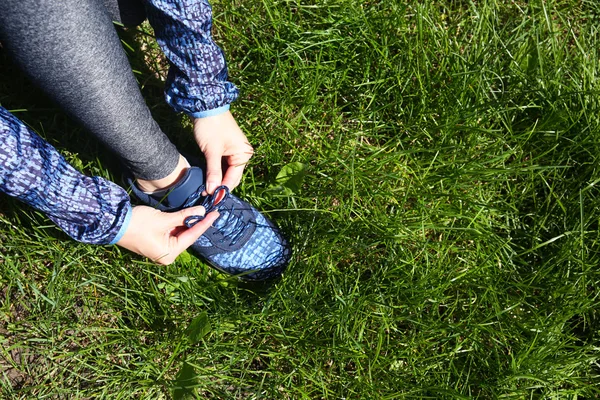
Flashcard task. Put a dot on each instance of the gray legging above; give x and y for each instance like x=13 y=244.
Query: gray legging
x=71 y=50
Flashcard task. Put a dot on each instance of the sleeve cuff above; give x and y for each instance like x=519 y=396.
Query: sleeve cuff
x=124 y=227
x=210 y=113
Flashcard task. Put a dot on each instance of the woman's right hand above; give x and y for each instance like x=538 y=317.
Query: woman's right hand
x=162 y=236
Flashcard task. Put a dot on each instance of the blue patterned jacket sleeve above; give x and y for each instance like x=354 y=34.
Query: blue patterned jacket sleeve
x=89 y=209
x=197 y=81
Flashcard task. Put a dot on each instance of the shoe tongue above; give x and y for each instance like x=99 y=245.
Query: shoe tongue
x=219 y=196
x=178 y=195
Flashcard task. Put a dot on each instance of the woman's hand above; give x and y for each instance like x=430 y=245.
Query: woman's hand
x=224 y=146
x=162 y=236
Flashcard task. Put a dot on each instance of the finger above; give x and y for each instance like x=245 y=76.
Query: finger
x=237 y=163
x=214 y=175
x=186 y=238
x=233 y=176
x=165 y=259
x=178 y=218
x=175 y=224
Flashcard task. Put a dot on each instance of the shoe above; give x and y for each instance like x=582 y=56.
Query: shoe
x=241 y=241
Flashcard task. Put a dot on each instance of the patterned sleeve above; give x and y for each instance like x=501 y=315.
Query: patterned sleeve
x=89 y=209
x=197 y=81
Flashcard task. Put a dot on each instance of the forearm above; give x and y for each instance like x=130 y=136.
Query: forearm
x=89 y=209
x=197 y=83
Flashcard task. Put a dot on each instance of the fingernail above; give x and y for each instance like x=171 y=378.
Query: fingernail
x=193 y=220
x=200 y=211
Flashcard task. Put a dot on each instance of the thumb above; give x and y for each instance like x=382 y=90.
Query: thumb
x=180 y=216
x=214 y=174
x=187 y=237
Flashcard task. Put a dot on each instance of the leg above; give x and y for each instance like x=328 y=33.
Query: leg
x=71 y=50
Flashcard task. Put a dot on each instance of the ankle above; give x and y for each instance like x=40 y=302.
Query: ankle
x=150 y=186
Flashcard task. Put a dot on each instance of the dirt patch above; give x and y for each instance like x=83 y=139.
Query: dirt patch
x=14 y=361
x=14 y=366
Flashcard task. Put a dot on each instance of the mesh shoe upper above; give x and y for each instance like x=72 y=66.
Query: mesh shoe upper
x=241 y=241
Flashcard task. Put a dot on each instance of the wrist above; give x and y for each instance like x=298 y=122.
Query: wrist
x=124 y=226
x=210 y=113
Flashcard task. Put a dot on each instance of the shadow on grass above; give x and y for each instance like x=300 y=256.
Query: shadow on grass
x=28 y=103
x=558 y=209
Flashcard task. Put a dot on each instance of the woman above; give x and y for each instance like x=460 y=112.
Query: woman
x=71 y=50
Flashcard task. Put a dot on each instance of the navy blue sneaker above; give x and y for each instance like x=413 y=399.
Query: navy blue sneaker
x=241 y=241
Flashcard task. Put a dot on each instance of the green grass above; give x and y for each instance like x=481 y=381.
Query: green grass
x=445 y=232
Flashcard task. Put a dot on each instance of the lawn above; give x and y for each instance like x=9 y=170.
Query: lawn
x=435 y=165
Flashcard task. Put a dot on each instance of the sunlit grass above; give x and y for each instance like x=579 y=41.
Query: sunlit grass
x=445 y=231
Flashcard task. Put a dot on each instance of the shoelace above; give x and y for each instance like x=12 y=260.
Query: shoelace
x=231 y=227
